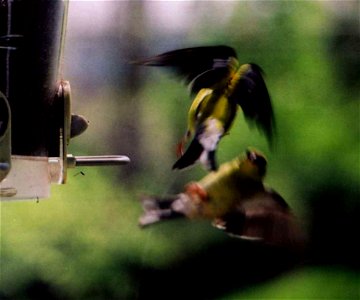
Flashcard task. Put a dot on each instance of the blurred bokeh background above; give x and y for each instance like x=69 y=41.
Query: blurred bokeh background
x=84 y=242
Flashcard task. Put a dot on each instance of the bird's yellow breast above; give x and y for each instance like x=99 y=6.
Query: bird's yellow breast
x=195 y=108
x=222 y=188
x=233 y=183
x=211 y=104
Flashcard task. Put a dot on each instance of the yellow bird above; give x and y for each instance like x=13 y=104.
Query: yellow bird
x=235 y=199
x=220 y=85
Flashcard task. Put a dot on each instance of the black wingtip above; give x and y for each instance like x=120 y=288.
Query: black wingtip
x=268 y=130
x=257 y=68
x=253 y=96
x=268 y=126
x=188 y=63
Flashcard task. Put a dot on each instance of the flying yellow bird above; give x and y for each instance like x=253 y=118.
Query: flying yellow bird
x=220 y=85
x=235 y=199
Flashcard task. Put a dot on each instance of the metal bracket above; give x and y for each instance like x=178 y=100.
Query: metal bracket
x=69 y=129
x=5 y=137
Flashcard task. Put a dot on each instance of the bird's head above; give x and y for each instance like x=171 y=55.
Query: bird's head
x=254 y=164
x=258 y=160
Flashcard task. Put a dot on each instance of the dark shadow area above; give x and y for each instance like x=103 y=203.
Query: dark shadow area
x=214 y=272
x=335 y=224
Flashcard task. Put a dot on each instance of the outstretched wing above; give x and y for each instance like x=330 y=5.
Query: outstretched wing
x=200 y=66
x=266 y=218
x=251 y=93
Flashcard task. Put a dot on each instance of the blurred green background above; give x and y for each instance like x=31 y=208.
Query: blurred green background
x=84 y=242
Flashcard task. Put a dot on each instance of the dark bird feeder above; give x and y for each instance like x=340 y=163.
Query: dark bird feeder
x=36 y=122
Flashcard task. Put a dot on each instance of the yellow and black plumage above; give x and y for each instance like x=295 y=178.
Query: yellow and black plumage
x=220 y=85
x=235 y=199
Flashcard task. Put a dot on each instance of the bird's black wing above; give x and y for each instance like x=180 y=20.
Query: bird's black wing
x=191 y=63
x=252 y=95
x=266 y=218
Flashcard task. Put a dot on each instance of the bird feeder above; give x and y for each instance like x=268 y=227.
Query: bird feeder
x=36 y=122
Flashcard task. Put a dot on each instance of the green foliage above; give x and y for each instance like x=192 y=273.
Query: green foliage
x=308 y=283
x=85 y=240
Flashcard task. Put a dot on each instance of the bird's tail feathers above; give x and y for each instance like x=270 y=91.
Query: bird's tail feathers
x=157 y=209
x=191 y=155
x=203 y=146
x=196 y=152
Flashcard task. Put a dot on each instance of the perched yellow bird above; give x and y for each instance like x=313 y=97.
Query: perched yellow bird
x=220 y=85
x=235 y=199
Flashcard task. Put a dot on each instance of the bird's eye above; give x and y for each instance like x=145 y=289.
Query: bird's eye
x=256 y=158
x=251 y=155
x=260 y=161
